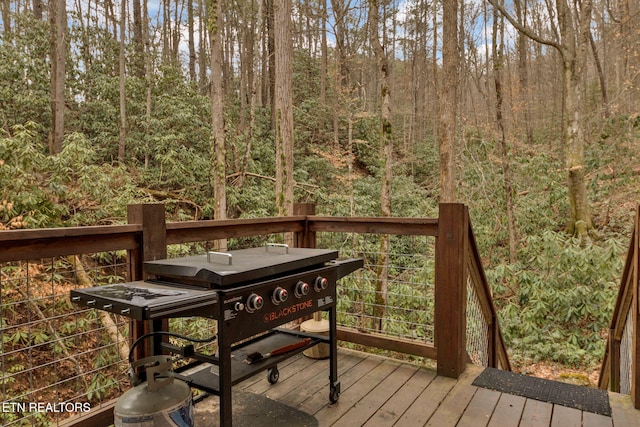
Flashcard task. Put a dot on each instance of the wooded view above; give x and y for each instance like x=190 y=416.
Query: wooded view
x=527 y=111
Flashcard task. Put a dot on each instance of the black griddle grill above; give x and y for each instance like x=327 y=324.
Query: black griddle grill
x=251 y=292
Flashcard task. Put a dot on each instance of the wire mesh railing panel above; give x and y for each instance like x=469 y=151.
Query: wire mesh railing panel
x=626 y=355
x=57 y=359
x=477 y=328
x=393 y=294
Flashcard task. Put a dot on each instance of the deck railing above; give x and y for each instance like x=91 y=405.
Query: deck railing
x=439 y=271
x=620 y=371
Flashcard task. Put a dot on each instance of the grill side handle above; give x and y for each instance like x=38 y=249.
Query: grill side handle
x=347 y=266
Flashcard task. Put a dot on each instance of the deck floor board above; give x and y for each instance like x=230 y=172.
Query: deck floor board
x=382 y=392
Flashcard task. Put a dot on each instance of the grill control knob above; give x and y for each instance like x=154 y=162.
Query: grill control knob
x=301 y=289
x=279 y=295
x=321 y=284
x=254 y=302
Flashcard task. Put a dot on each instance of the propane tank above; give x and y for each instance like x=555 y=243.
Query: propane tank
x=161 y=401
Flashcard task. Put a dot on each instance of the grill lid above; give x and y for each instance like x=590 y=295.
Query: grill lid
x=237 y=267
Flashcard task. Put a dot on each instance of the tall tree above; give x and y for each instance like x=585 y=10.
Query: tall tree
x=58 y=25
x=121 y=80
x=448 y=101
x=218 y=143
x=386 y=144
x=574 y=30
x=283 y=106
x=498 y=64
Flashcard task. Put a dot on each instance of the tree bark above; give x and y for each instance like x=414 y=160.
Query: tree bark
x=498 y=63
x=58 y=22
x=386 y=145
x=448 y=102
x=138 y=41
x=192 y=42
x=283 y=107
x=121 y=78
x=218 y=143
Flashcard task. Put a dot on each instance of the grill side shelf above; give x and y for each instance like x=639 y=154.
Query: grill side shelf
x=204 y=375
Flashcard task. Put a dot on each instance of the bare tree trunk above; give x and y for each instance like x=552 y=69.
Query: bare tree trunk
x=523 y=73
x=38 y=7
x=58 y=21
x=448 y=102
x=498 y=63
x=574 y=31
x=386 y=144
x=121 y=77
x=202 y=57
x=192 y=42
x=323 y=54
x=258 y=24
x=218 y=143
x=148 y=80
x=284 y=107
x=6 y=18
x=270 y=78
x=138 y=42
x=574 y=58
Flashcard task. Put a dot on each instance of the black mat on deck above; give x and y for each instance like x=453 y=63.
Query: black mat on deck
x=251 y=410
x=558 y=393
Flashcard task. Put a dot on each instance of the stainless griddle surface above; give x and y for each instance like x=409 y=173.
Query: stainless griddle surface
x=247 y=265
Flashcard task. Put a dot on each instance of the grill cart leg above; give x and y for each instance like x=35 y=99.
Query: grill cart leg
x=224 y=370
x=334 y=384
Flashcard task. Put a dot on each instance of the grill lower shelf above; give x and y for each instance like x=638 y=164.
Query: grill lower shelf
x=205 y=376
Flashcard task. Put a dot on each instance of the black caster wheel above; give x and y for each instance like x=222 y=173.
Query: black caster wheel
x=334 y=394
x=273 y=375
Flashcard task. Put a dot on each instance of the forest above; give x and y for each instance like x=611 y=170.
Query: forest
x=527 y=111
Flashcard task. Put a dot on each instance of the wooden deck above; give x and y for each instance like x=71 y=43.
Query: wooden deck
x=378 y=391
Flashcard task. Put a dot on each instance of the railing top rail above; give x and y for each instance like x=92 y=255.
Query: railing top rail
x=19 y=245
x=375 y=225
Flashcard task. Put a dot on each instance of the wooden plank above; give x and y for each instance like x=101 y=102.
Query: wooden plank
x=590 y=419
x=298 y=363
x=375 y=225
x=400 y=345
x=320 y=384
x=427 y=402
x=508 y=411
x=479 y=411
x=635 y=316
x=303 y=374
x=328 y=415
x=398 y=404
x=454 y=404
x=319 y=401
x=197 y=231
x=566 y=417
x=96 y=417
x=622 y=411
x=20 y=250
x=536 y=414
x=373 y=401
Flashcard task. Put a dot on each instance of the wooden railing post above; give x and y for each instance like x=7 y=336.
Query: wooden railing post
x=450 y=289
x=152 y=246
x=306 y=238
